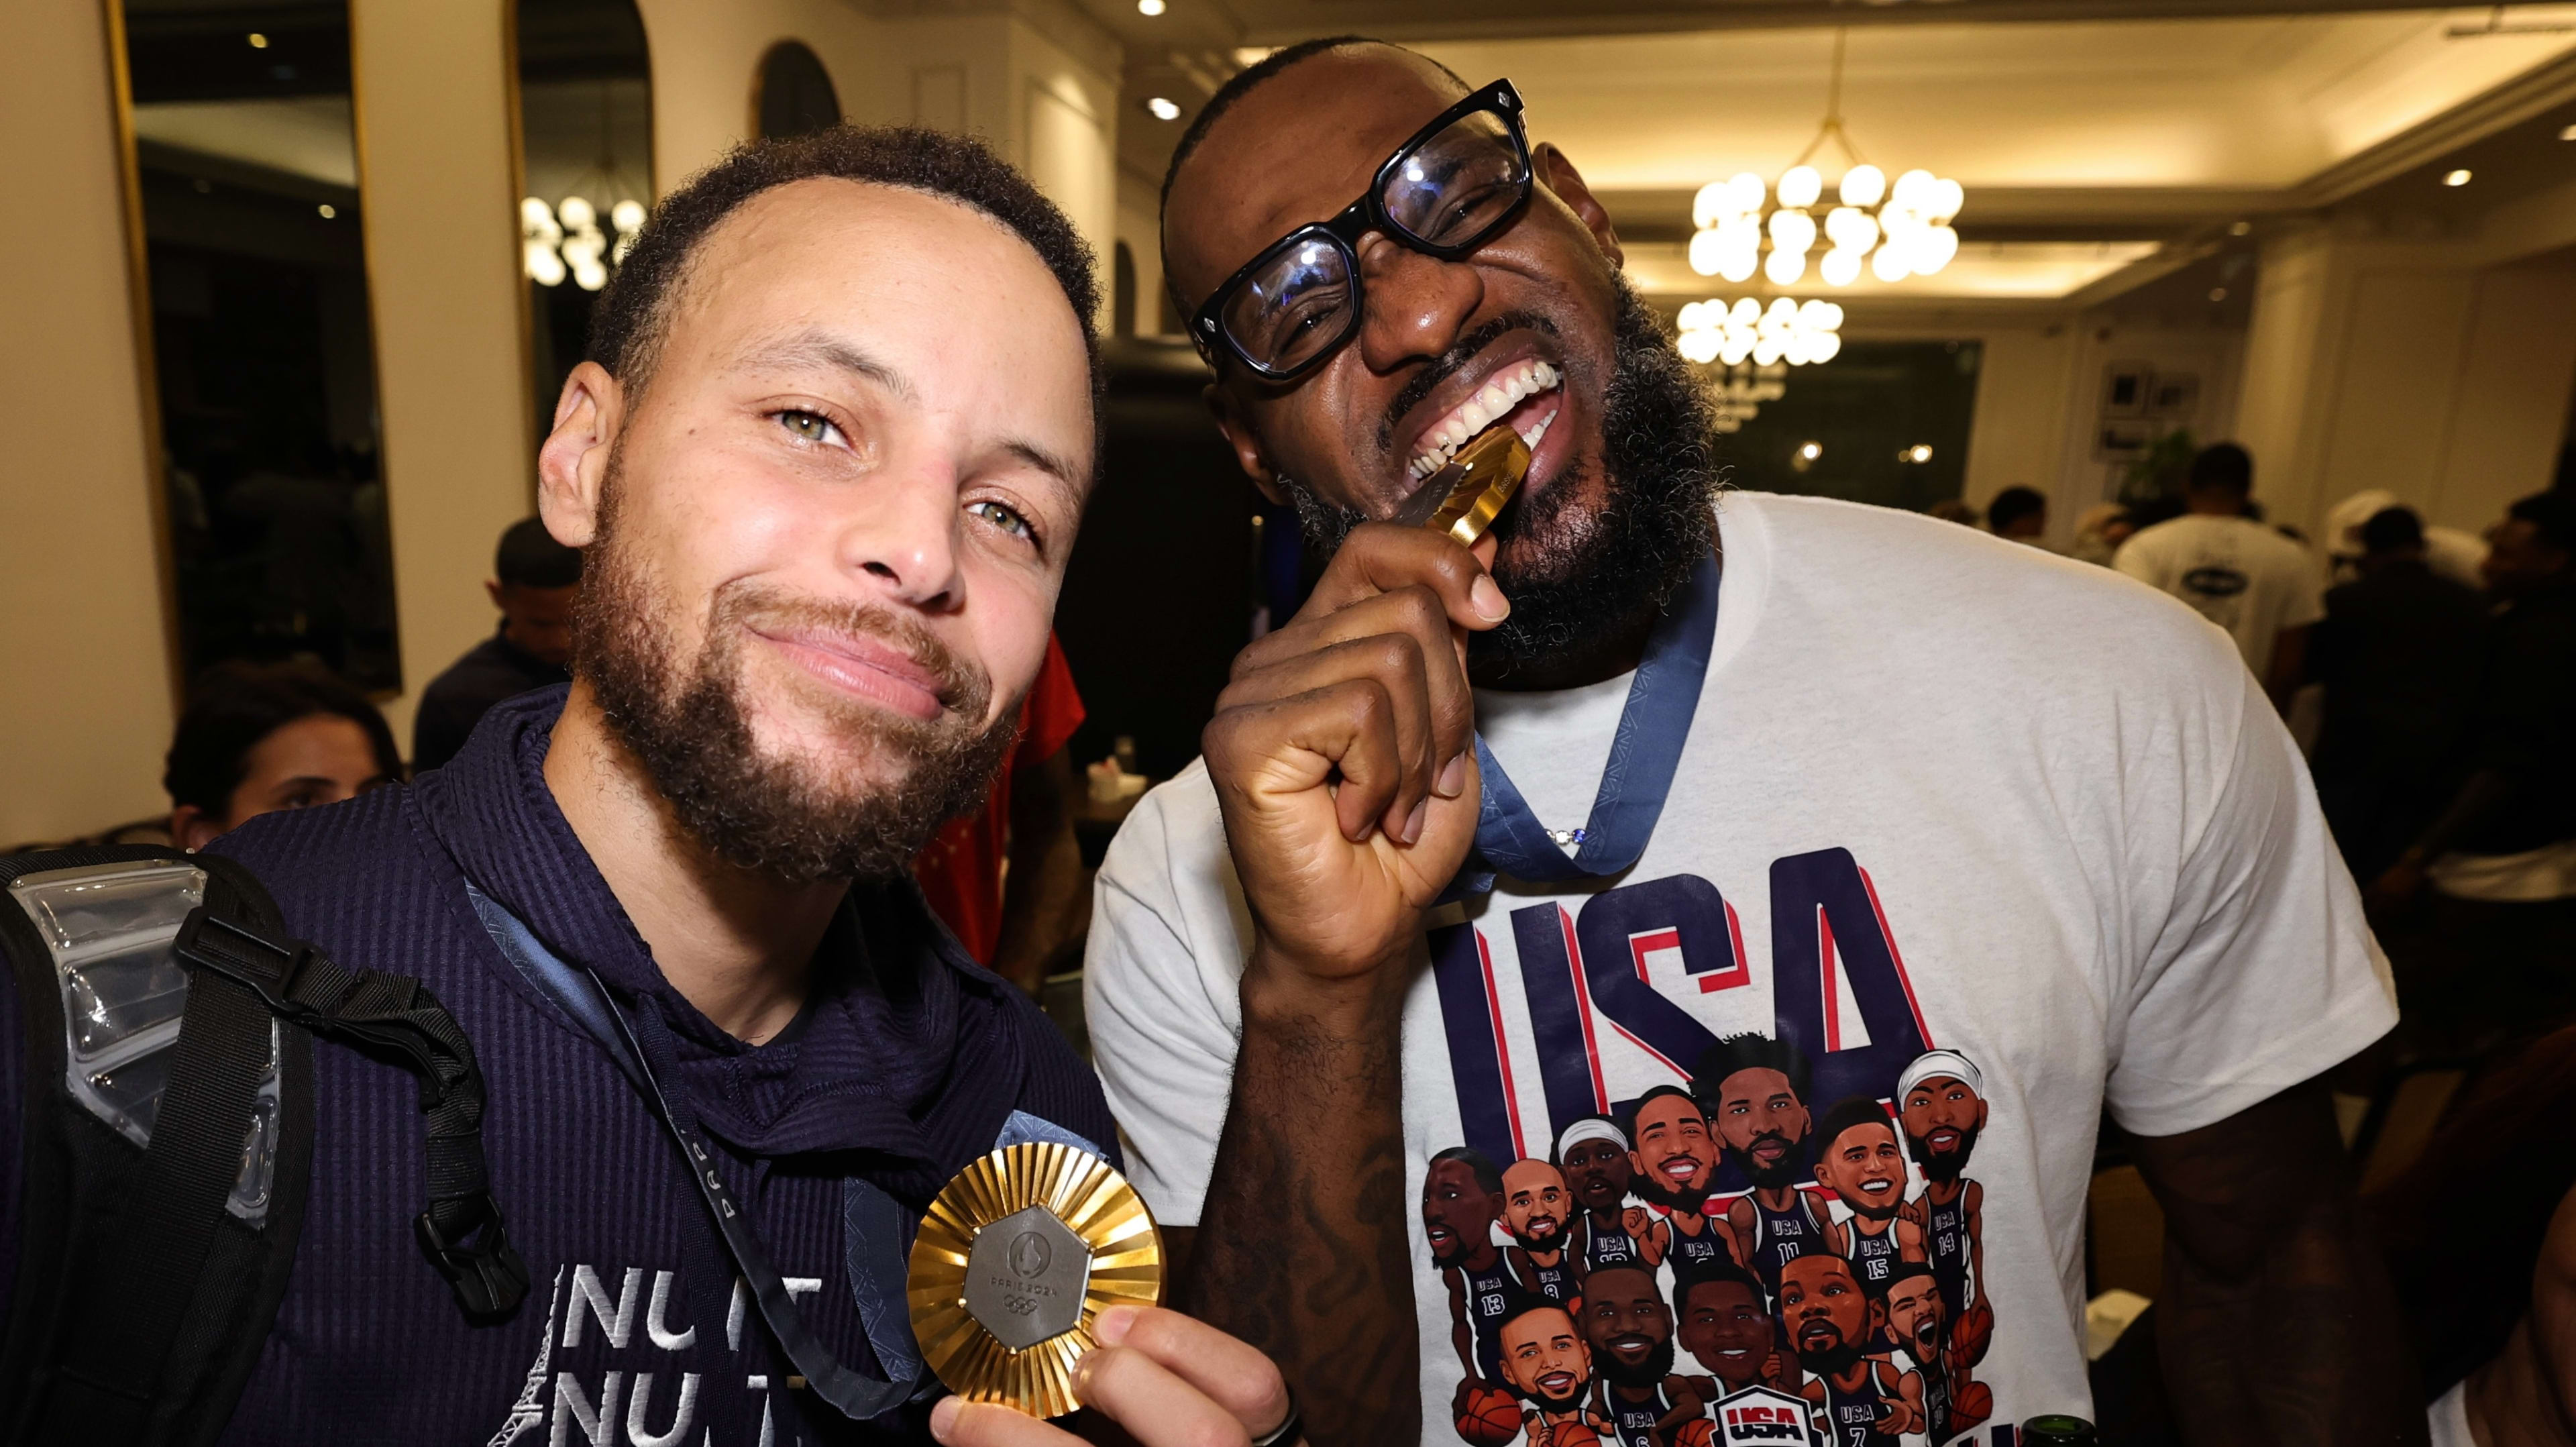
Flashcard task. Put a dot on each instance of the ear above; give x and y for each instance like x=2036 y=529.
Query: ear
x=492 y=590
x=1558 y=174
x=192 y=828
x=1248 y=455
x=572 y=464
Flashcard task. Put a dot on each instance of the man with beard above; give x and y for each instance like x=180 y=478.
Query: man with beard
x=1755 y=1089
x=1462 y=1198
x=1547 y=1363
x=2100 y=863
x=1592 y=1154
x=1672 y=1157
x=1938 y=1102
x=1727 y=1325
x=1630 y=1331
x=1918 y=1322
x=824 y=469
x=1534 y=1210
x=1861 y=1400
x=1859 y=1162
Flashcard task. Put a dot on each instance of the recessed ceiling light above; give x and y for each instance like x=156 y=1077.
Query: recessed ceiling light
x=328 y=211
x=2456 y=178
x=1149 y=7
x=2241 y=228
x=258 y=41
x=1163 y=110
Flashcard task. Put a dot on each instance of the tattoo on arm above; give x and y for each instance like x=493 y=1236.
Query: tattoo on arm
x=2277 y=1323
x=1302 y=1248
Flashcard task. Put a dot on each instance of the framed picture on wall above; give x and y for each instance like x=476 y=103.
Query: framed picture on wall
x=2119 y=440
x=2173 y=396
x=2125 y=389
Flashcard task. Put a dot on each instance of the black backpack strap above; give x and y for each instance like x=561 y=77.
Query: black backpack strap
x=391 y=1017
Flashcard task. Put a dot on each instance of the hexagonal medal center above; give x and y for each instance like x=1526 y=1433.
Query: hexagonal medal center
x=1025 y=1277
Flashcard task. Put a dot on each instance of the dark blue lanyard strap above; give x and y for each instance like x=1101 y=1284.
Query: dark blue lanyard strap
x=1653 y=726
x=857 y=1395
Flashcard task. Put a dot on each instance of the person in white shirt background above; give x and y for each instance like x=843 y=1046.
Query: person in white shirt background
x=1727 y=763
x=2239 y=574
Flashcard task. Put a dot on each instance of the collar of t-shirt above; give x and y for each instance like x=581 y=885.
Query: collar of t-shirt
x=875 y=1053
x=1554 y=744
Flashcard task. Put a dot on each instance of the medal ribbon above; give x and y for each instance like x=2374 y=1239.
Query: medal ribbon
x=1644 y=752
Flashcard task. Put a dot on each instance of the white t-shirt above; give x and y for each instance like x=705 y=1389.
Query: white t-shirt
x=2083 y=855
x=2239 y=574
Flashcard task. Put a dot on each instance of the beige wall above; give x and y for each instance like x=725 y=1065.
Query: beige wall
x=84 y=664
x=2407 y=366
x=436 y=162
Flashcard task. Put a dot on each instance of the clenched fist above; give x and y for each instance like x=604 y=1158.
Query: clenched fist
x=1342 y=754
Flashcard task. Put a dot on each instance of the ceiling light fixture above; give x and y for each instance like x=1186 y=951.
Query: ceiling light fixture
x=2241 y=228
x=1162 y=109
x=2567 y=133
x=1901 y=229
x=1919 y=454
x=328 y=210
x=1786 y=331
x=1149 y=7
x=258 y=41
x=2456 y=178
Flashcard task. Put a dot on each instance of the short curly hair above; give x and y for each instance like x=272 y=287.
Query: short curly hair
x=633 y=314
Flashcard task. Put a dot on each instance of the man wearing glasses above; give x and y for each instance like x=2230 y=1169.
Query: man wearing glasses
x=1485 y=843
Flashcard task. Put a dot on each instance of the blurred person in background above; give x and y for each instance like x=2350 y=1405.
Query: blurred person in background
x=2021 y=514
x=2397 y=654
x=258 y=738
x=2219 y=558
x=1014 y=921
x=2496 y=869
x=2449 y=552
x=2099 y=531
x=1953 y=510
x=537 y=580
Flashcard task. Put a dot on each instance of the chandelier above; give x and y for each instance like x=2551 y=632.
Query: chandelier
x=565 y=240
x=1900 y=230
x=1789 y=331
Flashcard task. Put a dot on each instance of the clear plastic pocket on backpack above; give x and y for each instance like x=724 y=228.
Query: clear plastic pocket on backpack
x=109 y=928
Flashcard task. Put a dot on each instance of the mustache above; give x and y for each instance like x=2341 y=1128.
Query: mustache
x=962 y=687
x=1451 y=363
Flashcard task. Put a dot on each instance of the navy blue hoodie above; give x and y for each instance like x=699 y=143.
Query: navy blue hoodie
x=908 y=1062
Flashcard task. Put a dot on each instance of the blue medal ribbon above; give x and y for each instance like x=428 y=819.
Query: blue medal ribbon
x=1653 y=726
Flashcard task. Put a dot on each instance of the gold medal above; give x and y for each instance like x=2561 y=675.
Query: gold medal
x=1015 y=1258
x=1463 y=498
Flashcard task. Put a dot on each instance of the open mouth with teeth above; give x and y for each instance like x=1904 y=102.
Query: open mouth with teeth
x=1556 y=1385
x=1525 y=396
x=1943 y=1138
x=1820 y=1335
x=1681 y=1170
x=1632 y=1346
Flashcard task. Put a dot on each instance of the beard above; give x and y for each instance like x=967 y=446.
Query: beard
x=1575 y=580
x=1693 y=1200
x=1825 y=1361
x=688 y=722
x=1788 y=1171
x=1946 y=1167
x=1554 y=1240
x=1546 y=1403
x=1648 y=1373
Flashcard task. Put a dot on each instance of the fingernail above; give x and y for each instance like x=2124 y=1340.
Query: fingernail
x=1413 y=821
x=1110 y=1327
x=943 y=1416
x=1453 y=777
x=1488 y=600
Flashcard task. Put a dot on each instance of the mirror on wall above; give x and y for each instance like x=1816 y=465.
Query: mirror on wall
x=262 y=348
x=586 y=152
x=795 y=93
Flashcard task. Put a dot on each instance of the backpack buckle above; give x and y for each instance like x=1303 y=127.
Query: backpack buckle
x=237 y=953
x=486 y=1274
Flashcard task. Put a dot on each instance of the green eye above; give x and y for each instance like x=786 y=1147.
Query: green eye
x=807 y=426
x=1001 y=516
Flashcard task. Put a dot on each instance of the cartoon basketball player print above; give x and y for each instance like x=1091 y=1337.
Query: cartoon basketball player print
x=1726 y=1327
x=1548 y=1365
x=1940 y=1101
x=1673 y=1157
x=1755 y=1090
x=1535 y=1206
x=1592 y=1155
x=1462 y=1197
x=1858 y=1160
x=1630 y=1332
x=1861 y=1400
x=1953 y=1402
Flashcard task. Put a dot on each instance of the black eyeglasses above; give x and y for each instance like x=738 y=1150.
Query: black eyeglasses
x=1459 y=180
